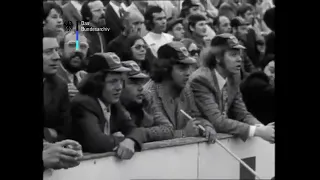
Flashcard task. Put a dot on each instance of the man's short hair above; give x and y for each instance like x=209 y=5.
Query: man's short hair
x=193 y=19
x=47 y=7
x=85 y=10
x=149 y=16
x=244 y=8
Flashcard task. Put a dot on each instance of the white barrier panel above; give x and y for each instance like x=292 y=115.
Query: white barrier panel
x=190 y=158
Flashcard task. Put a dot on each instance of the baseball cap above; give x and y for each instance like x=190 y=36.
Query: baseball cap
x=173 y=22
x=135 y=71
x=228 y=40
x=176 y=50
x=238 y=21
x=105 y=62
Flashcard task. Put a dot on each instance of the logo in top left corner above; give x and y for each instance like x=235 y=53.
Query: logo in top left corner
x=68 y=25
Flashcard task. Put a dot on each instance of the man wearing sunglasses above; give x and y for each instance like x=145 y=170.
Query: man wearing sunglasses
x=73 y=60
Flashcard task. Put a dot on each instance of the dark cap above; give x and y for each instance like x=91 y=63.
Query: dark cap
x=177 y=51
x=227 y=40
x=238 y=21
x=135 y=71
x=105 y=62
x=188 y=4
x=172 y=23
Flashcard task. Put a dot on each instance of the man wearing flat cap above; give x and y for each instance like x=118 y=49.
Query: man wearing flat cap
x=140 y=110
x=215 y=87
x=97 y=113
x=169 y=75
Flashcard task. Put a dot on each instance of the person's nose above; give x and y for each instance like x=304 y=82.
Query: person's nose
x=56 y=56
x=59 y=21
x=140 y=88
x=189 y=71
x=119 y=86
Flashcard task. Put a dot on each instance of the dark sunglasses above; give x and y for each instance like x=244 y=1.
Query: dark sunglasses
x=194 y=52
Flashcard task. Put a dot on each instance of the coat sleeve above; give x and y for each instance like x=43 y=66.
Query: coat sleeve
x=239 y=111
x=64 y=128
x=94 y=140
x=208 y=107
x=161 y=128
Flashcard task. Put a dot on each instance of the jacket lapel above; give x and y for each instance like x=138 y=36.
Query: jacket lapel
x=215 y=87
x=167 y=102
x=113 y=16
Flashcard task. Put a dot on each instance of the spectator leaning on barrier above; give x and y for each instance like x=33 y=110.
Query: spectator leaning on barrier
x=61 y=155
x=165 y=92
x=139 y=108
x=93 y=13
x=156 y=23
x=176 y=29
x=56 y=102
x=72 y=66
x=97 y=113
x=215 y=87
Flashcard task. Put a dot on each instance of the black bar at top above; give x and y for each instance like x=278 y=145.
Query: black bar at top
x=76 y=25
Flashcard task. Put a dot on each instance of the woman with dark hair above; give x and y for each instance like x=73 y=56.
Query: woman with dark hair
x=192 y=48
x=97 y=113
x=52 y=18
x=258 y=92
x=138 y=51
x=166 y=92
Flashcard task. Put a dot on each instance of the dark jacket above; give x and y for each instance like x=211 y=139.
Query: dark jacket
x=117 y=45
x=89 y=122
x=251 y=46
x=94 y=40
x=56 y=106
x=113 y=22
x=258 y=95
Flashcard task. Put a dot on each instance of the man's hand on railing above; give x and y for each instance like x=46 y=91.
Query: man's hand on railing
x=210 y=134
x=126 y=149
x=192 y=129
x=61 y=155
x=266 y=132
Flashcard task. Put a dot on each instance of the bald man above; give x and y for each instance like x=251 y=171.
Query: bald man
x=132 y=23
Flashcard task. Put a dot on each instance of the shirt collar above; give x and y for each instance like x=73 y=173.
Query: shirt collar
x=115 y=8
x=221 y=81
x=103 y=106
x=77 y=5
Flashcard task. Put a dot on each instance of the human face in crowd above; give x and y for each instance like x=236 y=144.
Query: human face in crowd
x=249 y=17
x=139 y=50
x=98 y=13
x=194 y=51
x=160 y=22
x=112 y=88
x=72 y=58
x=54 y=21
x=200 y=28
x=50 y=56
x=195 y=10
x=231 y=61
x=241 y=32
x=133 y=90
x=135 y=27
x=180 y=74
x=178 y=31
x=224 y=25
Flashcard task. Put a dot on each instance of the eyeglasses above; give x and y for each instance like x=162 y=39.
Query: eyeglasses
x=139 y=46
x=194 y=52
x=82 y=45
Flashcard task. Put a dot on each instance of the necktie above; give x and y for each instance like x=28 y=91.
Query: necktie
x=121 y=11
x=224 y=93
x=107 y=114
x=75 y=80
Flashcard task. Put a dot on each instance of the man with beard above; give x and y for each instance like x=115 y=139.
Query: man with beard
x=93 y=12
x=156 y=23
x=222 y=25
x=55 y=93
x=133 y=99
x=240 y=31
x=73 y=60
x=215 y=87
x=197 y=29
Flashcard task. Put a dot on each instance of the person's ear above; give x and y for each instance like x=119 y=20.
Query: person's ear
x=191 y=28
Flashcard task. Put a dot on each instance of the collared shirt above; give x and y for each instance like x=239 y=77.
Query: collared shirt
x=107 y=114
x=155 y=41
x=117 y=8
x=221 y=82
x=71 y=76
x=77 y=5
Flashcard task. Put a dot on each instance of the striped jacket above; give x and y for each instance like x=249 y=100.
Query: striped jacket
x=164 y=109
x=204 y=86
